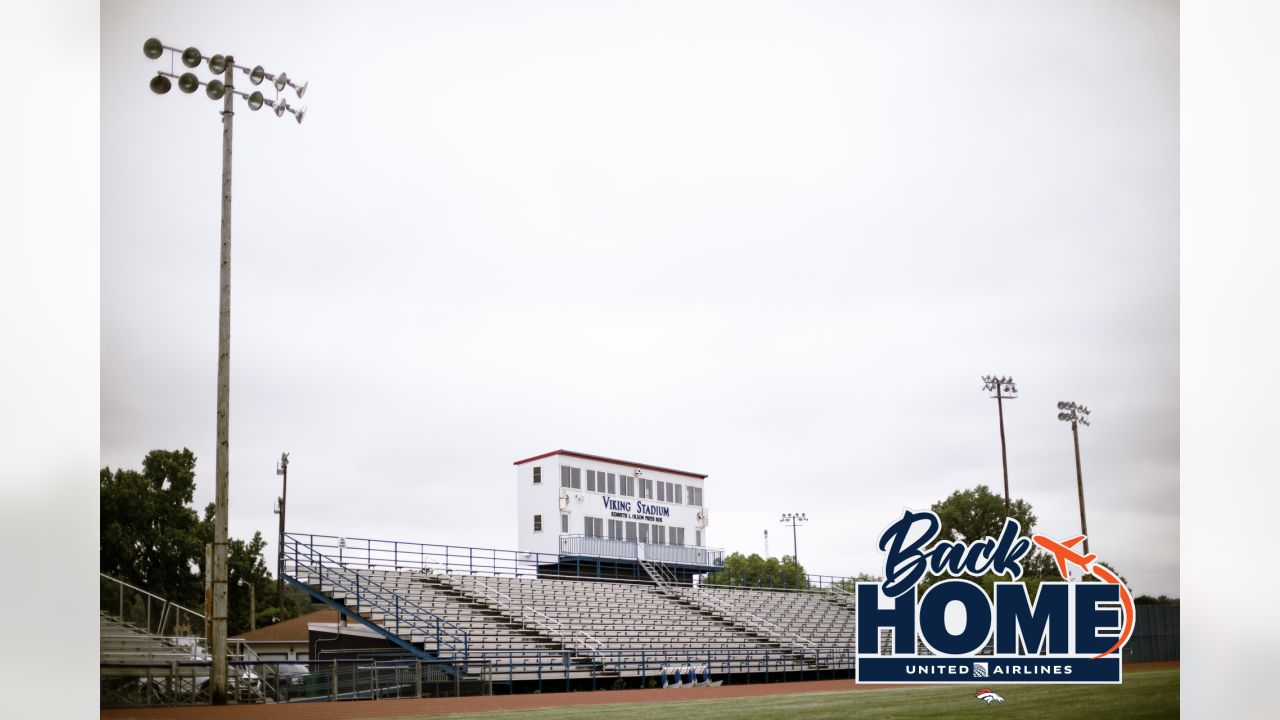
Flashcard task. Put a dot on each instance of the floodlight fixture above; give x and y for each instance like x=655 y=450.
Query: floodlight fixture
x=188 y=83
x=191 y=57
x=794 y=519
x=153 y=48
x=298 y=115
x=254 y=100
x=301 y=90
x=1005 y=389
x=257 y=74
x=280 y=108
x=1075 y=413
x=281 y=81
x=160 y=85
x=215 y=89
x=218 y=64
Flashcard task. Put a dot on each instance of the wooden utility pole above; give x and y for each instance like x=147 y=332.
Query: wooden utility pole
x=1077 y=415
x=1005 y=390
x=282 y=471
x=218 y=675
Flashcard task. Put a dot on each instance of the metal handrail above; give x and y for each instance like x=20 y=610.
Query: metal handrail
x=405 y=614
x=166 y=606
x=770 y=628
x=401 y=608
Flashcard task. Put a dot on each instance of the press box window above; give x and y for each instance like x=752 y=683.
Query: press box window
x=537 y=523
x=537 y=476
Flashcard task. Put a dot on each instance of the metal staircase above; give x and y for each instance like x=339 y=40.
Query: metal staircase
x=346 y=589
x=706 y=602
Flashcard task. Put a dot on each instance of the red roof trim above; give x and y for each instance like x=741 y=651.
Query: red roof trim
x=585 y=456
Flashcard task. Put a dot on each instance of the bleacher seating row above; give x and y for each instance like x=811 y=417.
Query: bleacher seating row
x=525 y=627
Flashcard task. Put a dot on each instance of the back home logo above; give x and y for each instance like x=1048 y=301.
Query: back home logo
x=1072 y=633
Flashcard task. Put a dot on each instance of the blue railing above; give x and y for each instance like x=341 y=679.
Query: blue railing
x=452 y=559
x=581 y=545
x=301 y=556
x=465 y=560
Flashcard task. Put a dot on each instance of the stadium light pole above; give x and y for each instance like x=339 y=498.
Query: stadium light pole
x=1005 y=390
x=1077 y=415
x=225 y=91
x=282 y=470
x=253 y=604
x=794 y=519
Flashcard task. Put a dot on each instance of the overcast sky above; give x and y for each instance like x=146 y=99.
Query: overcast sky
x=777 y=243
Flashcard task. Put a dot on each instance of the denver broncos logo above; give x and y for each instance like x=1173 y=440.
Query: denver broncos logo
x=987 y=696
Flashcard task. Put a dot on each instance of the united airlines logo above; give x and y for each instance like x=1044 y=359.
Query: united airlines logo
x=954 y=632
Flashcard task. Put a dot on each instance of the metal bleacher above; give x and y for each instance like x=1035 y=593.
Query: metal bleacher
x=494 y=615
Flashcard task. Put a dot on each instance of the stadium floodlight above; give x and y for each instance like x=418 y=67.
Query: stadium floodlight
x=298 y=115
x=1077 y=415
x=794 y=519
x=218 y=89
x=188 y=83
x=160 y=85
x=281 y=81
x=1004 y=389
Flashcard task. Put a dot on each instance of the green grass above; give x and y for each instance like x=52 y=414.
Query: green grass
x=1146 y=694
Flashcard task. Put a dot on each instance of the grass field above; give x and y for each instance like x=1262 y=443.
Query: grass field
x=1148 y=694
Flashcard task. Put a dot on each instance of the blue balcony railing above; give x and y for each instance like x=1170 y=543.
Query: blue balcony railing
x=597 y=547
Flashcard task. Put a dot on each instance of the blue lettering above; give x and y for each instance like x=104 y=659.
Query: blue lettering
x=901 y=618
x=904 y=567
x=906 y=560
x=1090 y=618
x=1045 y=622
x=977 y=617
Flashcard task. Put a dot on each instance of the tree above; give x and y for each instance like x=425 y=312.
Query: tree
x=754 y=571
x=152 y=538
x=850 y=584
x=969 y=515
x=149 y=536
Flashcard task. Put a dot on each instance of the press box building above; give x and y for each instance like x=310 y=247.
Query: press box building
x=592 y=516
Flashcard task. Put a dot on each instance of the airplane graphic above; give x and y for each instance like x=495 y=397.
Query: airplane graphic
x=1064 y=555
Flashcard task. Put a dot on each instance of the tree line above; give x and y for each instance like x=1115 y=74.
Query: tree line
x=152 y=537
x=966 y=515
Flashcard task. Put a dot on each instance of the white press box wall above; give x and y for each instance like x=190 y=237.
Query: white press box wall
x=544 y=499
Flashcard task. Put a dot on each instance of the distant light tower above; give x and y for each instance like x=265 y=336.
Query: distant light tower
x=1077 y=415
x=225 y=91
x=766 y=544
x=282 y=470
x=794 y=519
x=1005 y=390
